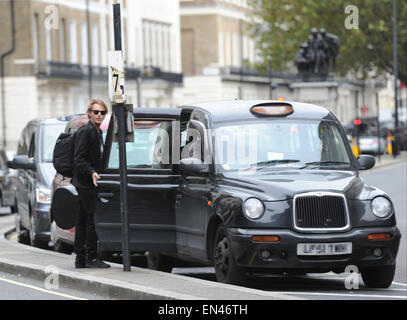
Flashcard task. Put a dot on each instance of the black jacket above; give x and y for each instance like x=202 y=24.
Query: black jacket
x=87 y=155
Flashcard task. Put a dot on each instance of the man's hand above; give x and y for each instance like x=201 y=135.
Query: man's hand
x=95 y=178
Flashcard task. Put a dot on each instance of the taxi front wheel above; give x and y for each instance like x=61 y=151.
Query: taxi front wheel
x=378 y=277
x=226 y=268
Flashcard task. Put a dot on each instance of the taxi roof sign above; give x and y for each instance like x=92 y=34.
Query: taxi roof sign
x=279 y=109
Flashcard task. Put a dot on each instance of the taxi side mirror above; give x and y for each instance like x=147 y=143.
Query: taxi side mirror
x=23 y=162
x=194 y=166
x=366 y=162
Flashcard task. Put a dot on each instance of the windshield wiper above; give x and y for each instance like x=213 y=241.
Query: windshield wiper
x=315 y=163
x=263 y=164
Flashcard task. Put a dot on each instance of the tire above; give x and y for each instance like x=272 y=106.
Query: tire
x=63 y=247
x=378 y=277
x=226 y=268
x=22 y=233
x=13 y=208
x=34 y=241
x=159 y=262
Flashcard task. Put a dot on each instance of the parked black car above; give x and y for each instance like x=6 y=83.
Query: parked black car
x=35 y=173
x=261 y=187
x=8 y=181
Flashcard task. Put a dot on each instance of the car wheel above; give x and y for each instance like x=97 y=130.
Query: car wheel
x=378 y=277
x=34 y=241
x=159 y=262
x=63 y=247
x=226 y=268
x=22 y=233
x=13 y=208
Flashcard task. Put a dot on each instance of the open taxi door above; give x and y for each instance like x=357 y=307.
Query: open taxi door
x=153 y=178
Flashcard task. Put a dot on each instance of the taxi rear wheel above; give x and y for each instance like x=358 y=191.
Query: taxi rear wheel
x=378 y=277
x=226 y=268
x=159 y=262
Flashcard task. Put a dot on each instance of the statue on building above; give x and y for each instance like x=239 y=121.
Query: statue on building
x=317 y=57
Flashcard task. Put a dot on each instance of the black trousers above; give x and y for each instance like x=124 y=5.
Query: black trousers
x=85 y=233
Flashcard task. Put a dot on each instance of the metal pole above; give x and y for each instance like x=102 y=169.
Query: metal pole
x=241 y=60
x=139 y=91
x=395 y=62
x=270 y=70
x=89 y=51
x=121 y=121
x=378 y=126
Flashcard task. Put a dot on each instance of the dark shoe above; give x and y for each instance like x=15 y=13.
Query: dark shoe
x=97 y=263
x=79 y=264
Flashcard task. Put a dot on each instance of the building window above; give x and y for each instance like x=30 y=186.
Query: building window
x=73 y=44
x=84 y=43
x=228 y=49
x=157 y=44
x=36 y=38
x=95 y=45
x=221 y=49
x=63 y=40
x=48 y=44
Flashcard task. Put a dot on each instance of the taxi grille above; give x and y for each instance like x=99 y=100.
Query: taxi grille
x=320 y=212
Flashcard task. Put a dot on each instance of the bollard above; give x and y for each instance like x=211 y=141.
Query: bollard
x=389 y=141
x=355 y=147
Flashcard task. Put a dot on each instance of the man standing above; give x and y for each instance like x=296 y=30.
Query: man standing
x=87 y=163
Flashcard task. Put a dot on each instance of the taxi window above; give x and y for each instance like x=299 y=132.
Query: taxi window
x=150 y=149
x=279 y=143
x=50 y=134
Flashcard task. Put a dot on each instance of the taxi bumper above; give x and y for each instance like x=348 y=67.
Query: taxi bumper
x=269 y=256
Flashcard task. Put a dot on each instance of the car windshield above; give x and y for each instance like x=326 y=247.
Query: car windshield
x=49 y=137
x=280 y=143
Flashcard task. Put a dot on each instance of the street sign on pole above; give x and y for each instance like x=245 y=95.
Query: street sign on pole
x=116 y=76
x=116 y=89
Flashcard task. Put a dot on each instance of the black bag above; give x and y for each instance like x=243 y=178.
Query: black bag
x=63 y=154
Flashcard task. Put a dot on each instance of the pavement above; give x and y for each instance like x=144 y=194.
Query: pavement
x=139 y=283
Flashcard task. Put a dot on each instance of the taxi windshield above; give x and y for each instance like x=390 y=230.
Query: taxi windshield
x=280 y=143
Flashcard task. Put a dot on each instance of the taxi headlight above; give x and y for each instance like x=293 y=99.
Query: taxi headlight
x=381 y=207
x=253 y=208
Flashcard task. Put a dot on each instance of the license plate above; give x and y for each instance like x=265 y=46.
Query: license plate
x=324 y=249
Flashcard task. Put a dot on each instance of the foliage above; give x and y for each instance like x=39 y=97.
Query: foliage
x=364 y=51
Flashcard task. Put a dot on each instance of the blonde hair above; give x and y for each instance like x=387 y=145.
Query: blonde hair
x=96 y=101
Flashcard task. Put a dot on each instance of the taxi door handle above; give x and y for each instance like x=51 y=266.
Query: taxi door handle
x=103 y=197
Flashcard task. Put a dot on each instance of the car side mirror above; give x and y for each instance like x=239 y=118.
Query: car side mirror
x=366 y=162
x=23 y=162
x=193 y=165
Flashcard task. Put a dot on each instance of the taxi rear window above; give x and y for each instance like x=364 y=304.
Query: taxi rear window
x=150 y=149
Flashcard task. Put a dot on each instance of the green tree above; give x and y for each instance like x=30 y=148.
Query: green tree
x=287 y=23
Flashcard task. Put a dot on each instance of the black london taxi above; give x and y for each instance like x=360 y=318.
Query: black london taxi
x=249 y=187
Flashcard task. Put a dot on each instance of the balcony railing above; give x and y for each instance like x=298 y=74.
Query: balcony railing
x=55 y=69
